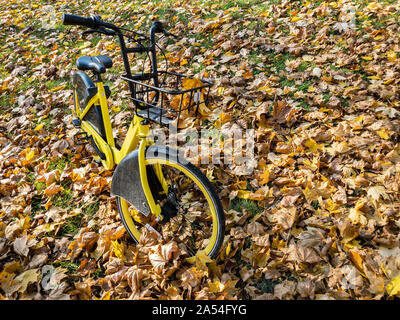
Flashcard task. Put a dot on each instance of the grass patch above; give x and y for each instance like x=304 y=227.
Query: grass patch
x=238 y=204
x=36 y=204
x=91 y=209
x=59 y=164
x=51 y=84
x=285 y=82
x=304 y=86
x=278 y=61
x=98 y=273
x=72 y=225
x=69 y=265
x=303 y=104
x=63 y=200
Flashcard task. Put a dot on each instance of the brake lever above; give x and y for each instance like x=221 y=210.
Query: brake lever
x=99 y=30
x=84 y=33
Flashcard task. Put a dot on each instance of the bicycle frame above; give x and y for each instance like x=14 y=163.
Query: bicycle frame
x=138 y=128
x=135 y=136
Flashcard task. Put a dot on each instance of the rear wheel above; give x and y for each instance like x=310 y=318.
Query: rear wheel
x=192 y=212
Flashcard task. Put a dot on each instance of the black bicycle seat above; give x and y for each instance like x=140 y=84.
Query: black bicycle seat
x=97 y=64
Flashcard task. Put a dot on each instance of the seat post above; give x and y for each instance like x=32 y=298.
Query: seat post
x=98 y=76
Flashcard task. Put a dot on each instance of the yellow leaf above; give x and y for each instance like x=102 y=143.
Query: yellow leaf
x=357 y=260
x=372 y=5
x=29 y=155
x=188 y=83
x=263 y=178
x=294 y=19
x=313 y=146
x=332 y=206
x=27 y=277
x=106 y=296
x=383 y=134
x=393 y=287
x=311 y=89
x=53 y=189
x=225 y=117
x=356 y=215
x=374 y=78
x=39 y=126
x=228 y=249
x=367 y=58
x=118 y=249
x=200 y=259
x=216 y=286
x=391 y=55
x=314 y=165
x=243 y=194
x=57 y=88
x=183 y=62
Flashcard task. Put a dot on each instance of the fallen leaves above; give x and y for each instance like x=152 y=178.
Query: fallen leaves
x=315 y=214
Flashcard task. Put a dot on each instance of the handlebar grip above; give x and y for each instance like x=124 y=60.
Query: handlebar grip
x=71 y=19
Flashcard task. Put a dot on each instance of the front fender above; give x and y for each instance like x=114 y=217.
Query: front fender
x=126 y=183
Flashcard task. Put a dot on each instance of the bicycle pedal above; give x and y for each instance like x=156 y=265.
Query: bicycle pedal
x=81 y=138
x=76 y=122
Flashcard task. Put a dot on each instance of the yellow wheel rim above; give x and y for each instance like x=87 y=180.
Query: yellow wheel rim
x=136 y=233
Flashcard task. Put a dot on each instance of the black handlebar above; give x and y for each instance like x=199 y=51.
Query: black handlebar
x=71 y=19
x=97 y=25
x=94 y=22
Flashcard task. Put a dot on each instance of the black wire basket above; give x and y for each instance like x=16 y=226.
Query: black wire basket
x=177 y=96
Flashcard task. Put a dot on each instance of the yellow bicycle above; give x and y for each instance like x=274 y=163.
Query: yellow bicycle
x=155 y=187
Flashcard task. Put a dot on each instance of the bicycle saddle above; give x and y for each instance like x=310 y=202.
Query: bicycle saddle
x=97 y=64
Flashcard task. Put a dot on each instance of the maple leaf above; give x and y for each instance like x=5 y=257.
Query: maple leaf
x=200 y=260
x=118 y=249
x=298 y=253
x=393 y=287
x=282 y=112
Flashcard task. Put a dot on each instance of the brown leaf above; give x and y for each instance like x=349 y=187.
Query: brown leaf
x=298 y=253
x=134 y=277
x=282 y=112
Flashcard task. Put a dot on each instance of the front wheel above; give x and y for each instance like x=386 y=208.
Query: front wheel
x=192 y=211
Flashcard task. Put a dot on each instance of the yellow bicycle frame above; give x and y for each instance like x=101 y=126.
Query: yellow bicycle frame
x=135 y=136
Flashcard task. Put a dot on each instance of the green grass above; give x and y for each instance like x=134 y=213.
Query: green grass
x=51 y=84
x=327 y=97
x=98 y=273
x=268 y=285
x=303 y=104
x=304 y=86
x=36 y=204
x=285 y=82
x=72 y=225
x=64 y=199
x=238 y=204
x=278 y=61
x=91 y=209
x=40 y=186
x=69 y=265
x=303 y=66
x=59 y=164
